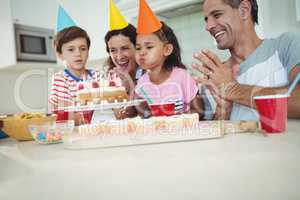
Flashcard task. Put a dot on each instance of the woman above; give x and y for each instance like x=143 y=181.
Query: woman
x=120 y=45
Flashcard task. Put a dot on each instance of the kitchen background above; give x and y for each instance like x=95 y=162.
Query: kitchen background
x=24 y=85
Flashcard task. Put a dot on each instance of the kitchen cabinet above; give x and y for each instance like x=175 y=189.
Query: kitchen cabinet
x=7 y=39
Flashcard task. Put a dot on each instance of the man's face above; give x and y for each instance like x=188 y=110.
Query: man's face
x=222 y=22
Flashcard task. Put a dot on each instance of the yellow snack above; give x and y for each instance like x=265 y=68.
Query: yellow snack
x=30 y=115
x=17 y=126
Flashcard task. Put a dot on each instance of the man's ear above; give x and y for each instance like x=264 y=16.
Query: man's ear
x=245 y=9
x=168 y=49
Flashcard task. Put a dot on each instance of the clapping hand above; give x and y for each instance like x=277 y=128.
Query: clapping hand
x=218 y=74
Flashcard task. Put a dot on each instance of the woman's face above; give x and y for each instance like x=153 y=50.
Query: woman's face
x=75 y=53
x=122 y=52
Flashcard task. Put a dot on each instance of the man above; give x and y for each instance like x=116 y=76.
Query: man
x=262 y=67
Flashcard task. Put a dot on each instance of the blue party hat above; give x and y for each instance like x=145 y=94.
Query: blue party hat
x=63 y=19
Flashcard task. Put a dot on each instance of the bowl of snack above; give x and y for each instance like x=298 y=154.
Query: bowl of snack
x=51 y=132
x=16 y=125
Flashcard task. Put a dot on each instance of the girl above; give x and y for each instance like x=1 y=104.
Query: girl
x=72 y=47
x=167 y=79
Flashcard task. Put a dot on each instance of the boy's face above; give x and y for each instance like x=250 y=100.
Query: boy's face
x=222 y=22
x=151 y=52
x=75 y=53
x=122 y=52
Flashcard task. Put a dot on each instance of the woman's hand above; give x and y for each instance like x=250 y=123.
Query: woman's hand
x=126 y=79
x=123 y=113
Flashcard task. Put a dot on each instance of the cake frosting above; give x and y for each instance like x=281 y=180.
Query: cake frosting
x=97 y=92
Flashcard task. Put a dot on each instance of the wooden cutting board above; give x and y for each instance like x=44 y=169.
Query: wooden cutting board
x=205 y=130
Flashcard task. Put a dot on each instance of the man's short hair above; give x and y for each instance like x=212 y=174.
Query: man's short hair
x=254 y=7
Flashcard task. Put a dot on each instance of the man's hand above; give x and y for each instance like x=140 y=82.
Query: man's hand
x=218 y=75
x=223 y=108
x=218 y=78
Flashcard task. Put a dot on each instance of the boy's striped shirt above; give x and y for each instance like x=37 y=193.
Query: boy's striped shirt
x=64 y=85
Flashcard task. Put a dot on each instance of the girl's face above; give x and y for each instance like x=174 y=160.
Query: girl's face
x=122 y=52
x=151 y=52
x=75 y=53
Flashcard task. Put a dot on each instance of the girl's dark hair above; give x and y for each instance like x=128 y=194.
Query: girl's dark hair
x=68 y=34
x=129 y=31
x=167 y=35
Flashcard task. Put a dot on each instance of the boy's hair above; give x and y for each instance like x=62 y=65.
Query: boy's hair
x=254 y=7
x=68 y=34
x=129 y=31
x=167 y=35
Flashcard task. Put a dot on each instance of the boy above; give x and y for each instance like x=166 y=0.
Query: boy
x=72 y=47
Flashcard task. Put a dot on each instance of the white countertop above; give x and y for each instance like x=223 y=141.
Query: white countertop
x=238 y=166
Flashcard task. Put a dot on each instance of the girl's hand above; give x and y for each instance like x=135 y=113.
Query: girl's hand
x=197 y=106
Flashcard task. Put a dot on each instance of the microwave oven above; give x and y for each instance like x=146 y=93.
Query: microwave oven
x=34 y=44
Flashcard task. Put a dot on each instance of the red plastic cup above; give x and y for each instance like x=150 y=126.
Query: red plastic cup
x=88 y=115
x=64 y=115
x=272 y=111
x=162 y=109
x=61 y=115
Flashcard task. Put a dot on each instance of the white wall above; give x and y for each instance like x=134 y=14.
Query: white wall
x=7 y=41
x=192 y=36
x=277 y=16
x=23 y=90
x=298 y=9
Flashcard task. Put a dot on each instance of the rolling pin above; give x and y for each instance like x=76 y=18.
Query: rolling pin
x=243 y=126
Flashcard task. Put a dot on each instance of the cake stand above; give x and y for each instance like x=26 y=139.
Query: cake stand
x=103 y=110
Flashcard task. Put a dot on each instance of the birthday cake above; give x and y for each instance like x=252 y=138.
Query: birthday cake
x=99 y=92
x=163 y=124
